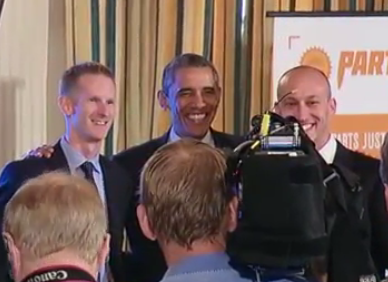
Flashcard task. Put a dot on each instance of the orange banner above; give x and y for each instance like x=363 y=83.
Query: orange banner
x=363 y=133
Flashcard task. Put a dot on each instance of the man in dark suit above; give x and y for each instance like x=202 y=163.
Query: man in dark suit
x=304 y=92
x=87 y=100
x=191 y=92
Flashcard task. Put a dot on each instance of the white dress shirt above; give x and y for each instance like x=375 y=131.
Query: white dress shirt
x=329 y=149
x=208 y=139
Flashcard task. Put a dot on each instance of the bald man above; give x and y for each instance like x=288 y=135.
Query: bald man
x=305 y=93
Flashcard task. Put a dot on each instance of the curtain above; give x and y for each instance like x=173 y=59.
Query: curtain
x=27 y=65
x=146 y=42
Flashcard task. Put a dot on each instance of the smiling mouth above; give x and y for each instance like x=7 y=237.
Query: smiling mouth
x=100 y=122
x=307 y=127
x=197 y=118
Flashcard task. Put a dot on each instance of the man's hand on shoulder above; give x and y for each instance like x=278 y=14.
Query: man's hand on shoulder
x=44 y=151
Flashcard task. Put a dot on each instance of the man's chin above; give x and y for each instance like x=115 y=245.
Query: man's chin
x=97 y=138
x=198 y=134
x=194 y=131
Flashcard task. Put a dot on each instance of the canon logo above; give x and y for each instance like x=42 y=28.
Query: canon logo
x=368 y=278
x=49 y=276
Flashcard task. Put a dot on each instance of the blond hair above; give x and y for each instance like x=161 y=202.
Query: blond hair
x=54 y=212
x=183 y=190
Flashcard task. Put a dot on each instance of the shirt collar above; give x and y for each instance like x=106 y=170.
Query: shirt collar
x=328 y=150
x=208 y=139
x=198 y=263
x=75 y=157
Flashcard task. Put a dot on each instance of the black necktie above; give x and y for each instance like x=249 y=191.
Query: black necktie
x=87 y=168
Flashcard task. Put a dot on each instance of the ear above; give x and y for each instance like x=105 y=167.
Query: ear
x=276 y=108
x=233 y=211
x=103 y=253
x=13 y=254
x=333 y=105
x=219 y=92
x=144 y=223
x=66 y=104
x=163 y=101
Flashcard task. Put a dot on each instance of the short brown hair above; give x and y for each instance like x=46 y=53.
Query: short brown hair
x=188 y=60
x=384 y=160
x=53 y=212
x=70 y=77
x=183 y=190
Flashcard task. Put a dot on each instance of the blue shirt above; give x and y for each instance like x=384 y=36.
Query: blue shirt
x=207 y=267
x=75 y=159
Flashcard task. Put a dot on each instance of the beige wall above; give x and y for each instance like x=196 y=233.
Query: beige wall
x=32 y=56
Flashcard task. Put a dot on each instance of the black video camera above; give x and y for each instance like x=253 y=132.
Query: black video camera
x=280 y=180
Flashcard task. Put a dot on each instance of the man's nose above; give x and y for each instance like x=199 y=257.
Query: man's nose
x=103 y=109
x=302 y=112
x=199 y=101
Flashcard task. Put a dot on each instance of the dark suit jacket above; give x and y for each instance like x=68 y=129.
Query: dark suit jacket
x=116 y=183
x=375 y=220
x=147 y=259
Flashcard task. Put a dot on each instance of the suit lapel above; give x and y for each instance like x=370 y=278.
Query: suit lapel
x=113 y=210
x=108 y=176
x=224 y=141
x=342 y=156
x=162 y=140
x=219 y=141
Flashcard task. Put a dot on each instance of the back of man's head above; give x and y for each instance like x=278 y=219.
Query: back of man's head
x=183 y=195
x=55 y=218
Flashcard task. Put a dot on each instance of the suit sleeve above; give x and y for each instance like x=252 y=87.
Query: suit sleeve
x=379 y=226
x=131 y=164
x=9 y=183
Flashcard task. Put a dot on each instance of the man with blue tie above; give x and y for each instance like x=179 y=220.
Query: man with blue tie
x=87 y=100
